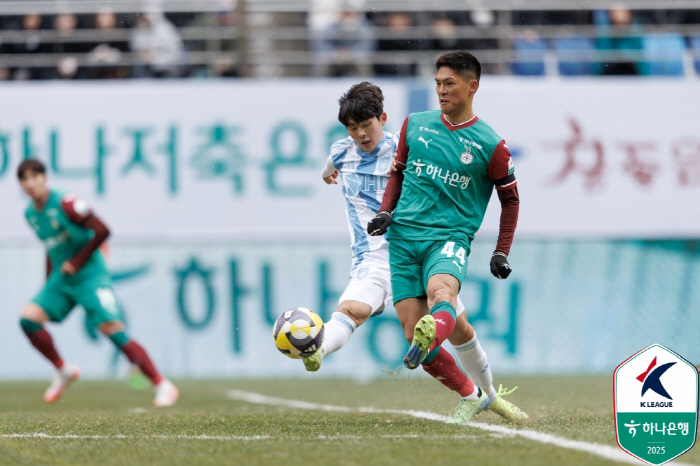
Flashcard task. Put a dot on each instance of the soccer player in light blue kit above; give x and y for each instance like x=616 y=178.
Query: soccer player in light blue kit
x=361 y=162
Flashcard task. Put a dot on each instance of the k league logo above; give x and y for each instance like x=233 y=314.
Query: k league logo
x=652 y=381
x=656 y=405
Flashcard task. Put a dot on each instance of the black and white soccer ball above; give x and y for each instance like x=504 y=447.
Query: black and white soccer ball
x=298 y=332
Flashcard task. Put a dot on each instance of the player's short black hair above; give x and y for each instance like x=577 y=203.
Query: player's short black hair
x=362 y=102
x=461 y=62
x=30 y=164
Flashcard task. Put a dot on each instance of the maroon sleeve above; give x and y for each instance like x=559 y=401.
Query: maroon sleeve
x=500 y=169
x=76 y=209
x=78 y=212
x=49 y=266
x=510 y=205
x=392 y=193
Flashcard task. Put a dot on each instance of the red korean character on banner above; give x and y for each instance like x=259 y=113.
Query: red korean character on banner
x=575 y=149
x=643 y=171
x=686 y=154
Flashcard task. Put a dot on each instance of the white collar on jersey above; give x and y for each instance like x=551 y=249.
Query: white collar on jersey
x=460 y=124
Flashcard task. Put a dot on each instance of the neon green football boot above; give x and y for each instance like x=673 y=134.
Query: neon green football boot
x=423 y=336
x=506 y=409
x=313 y=362
x=467 y=409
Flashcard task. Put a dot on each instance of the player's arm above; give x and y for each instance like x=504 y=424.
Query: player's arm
x=330 y=173
x=79 y=213
x=379 y=224
x=501 y=171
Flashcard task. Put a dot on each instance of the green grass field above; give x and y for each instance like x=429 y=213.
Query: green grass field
x=107 y=423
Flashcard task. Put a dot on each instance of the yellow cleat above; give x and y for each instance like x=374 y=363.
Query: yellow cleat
x=423 y=336
x=467 y=409
x=313 y=362
x=506 y=409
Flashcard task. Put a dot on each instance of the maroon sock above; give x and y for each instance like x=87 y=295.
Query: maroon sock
x=137 y=355
x=44 y=343
x=444 y=369
x=444 y=326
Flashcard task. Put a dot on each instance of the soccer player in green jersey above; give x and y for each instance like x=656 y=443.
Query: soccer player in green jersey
x=360 y=163
x=77 y=274
x=448 y=163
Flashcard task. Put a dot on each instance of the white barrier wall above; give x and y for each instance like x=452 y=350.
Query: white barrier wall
x=183 y=159
x=612 y=158
x=220 y=220
x=207 y=159
x=207 y=310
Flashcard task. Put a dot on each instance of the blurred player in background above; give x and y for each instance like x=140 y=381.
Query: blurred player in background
x=448 y=163
x=77 y=274
x=362 y=161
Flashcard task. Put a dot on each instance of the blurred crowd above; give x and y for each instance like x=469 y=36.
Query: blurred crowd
x=613 y=42
x=347 y=41
x=107 y=45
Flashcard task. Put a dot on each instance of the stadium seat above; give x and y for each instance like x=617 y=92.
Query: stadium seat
x=695 y=50
x=575 y=55
x=663 y=52
x=528 y=57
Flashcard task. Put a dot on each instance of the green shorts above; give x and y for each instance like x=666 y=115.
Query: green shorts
x=61 y=294
x=414 y=262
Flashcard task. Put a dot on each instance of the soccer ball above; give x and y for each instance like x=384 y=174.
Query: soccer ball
x=298 y=332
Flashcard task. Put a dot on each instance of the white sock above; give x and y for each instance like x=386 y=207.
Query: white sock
x=68 y=368
x=337 y=332
x=475 y=395
x=475 y=363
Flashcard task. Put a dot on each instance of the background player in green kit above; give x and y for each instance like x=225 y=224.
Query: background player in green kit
x=448 y=163
x=77 y=274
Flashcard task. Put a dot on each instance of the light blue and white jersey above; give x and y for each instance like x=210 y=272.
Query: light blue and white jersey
x=364 y=179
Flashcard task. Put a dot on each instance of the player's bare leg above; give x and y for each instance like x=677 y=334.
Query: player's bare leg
x=166 y=393
x=474 y=362
x=442 y=300
x=32 y=320
x=433 y=328
x=347 y=317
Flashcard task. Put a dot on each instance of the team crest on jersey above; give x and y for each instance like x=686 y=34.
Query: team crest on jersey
x=384 y=162
x=467 y=157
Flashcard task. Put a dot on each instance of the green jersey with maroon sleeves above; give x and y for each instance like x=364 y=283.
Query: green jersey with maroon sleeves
x=59 y=226
x=69 y=230
x=449 y=173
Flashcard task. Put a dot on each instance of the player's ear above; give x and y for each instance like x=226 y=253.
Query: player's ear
x=473 y=86
x=382 y=118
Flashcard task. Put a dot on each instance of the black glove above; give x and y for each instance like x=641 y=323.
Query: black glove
x=379 y=224
x=500 y=268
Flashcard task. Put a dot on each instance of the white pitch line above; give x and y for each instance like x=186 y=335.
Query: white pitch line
x=40 y=435
x=135 y=437
x=605 y=451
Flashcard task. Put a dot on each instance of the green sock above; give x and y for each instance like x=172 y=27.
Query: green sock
x=432 y=355
x=444 y=306
x=119 y=338
x=29 y=326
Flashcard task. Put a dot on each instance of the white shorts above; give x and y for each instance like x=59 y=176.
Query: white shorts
x=370 y=283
